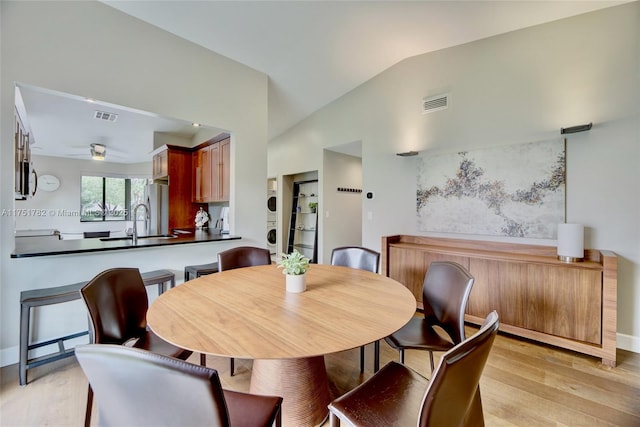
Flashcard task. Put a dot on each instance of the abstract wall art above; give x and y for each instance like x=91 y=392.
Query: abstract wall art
x=515 y=190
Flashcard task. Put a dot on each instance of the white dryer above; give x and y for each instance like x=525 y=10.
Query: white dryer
x=272 y=222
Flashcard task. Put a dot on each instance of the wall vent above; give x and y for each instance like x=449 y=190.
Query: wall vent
x=435 y=103
x=103 y=115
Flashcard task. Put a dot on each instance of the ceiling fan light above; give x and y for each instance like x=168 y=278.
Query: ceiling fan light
x=97 y=156
x=98 y=151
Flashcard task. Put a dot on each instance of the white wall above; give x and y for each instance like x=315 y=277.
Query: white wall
x=342 y=211
x=518 y=87
x=90 y=49
x=61 y=206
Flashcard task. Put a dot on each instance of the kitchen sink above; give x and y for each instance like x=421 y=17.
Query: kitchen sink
x=156 y=237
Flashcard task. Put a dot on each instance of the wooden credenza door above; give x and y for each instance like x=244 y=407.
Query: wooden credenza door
x=409 y=267
x=552 y=299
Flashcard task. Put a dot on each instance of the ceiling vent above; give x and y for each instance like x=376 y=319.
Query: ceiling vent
x=103 y=115
x=435 y=103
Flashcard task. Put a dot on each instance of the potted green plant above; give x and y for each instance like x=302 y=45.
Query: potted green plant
x=294 y=266
x=313 y=206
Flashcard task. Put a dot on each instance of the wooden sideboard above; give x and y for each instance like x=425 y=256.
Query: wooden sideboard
x=569 y=305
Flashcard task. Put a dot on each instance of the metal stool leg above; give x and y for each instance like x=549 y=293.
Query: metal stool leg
x=376 y=356
x=25 y=318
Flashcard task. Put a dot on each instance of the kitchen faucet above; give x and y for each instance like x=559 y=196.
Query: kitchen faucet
x=135 y=220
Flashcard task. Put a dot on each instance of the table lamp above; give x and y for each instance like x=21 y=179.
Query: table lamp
x=570 y=242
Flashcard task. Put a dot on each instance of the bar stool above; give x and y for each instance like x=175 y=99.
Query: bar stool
x=162 y=278
x=38 y=298
x=199 y=270
x=57 y=295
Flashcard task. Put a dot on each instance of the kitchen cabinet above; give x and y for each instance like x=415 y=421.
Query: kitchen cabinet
x=211 y=171
x=160 y=165
x=569 y=305
x=171 y=165
x=223 y=170
x=202 y=183
x=303 y=225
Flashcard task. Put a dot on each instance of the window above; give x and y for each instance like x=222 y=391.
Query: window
x=109 y=199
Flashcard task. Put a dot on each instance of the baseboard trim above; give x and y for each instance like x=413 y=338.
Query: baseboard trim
x=9 y=356
x=628 y=342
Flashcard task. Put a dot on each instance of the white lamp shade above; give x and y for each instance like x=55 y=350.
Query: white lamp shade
x=571 y=241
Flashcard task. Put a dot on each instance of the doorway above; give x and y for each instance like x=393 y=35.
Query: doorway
x=342 y=197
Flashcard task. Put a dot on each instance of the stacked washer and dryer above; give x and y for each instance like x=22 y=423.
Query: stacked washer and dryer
x=272 y=221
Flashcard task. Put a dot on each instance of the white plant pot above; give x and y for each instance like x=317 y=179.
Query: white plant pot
x=296 y=283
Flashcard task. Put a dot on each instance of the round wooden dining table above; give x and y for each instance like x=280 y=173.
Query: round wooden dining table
x=246 y=313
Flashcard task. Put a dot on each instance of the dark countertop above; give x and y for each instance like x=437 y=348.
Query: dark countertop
x=36 y=247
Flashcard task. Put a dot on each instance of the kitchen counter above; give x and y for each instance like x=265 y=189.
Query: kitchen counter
x=38 y=247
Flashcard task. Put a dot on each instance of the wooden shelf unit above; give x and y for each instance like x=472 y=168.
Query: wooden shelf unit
x=569 y=305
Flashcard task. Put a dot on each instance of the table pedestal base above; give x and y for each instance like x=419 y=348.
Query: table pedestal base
x=303 y=384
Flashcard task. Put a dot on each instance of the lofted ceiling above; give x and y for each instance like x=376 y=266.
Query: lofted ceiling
x=316 y=51
x=313 y=52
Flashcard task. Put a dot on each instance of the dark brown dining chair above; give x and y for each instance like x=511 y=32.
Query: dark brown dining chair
x=117 y=304
x=396 y=395
x=445 y=293
x=139 y=388
x=242 y=256
x=362 y=259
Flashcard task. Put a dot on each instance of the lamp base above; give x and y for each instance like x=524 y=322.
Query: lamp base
x=565 y=258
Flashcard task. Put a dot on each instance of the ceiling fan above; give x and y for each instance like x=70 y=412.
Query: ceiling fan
x=96 y=151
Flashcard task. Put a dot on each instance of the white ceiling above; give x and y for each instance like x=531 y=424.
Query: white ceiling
x=316 y=51
x=64 y=125
x=313 y=52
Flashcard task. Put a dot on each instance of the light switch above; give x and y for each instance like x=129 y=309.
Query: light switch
x=369 y=216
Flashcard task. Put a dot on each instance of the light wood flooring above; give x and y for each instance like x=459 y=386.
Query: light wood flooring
x=524 y=384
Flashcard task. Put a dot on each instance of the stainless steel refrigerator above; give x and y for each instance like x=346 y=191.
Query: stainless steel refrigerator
x=156 y=197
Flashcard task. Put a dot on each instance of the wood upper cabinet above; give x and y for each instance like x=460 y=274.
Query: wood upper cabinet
x=211 y=172
x=160 y=165
x=202 y=183
x=220 y=170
